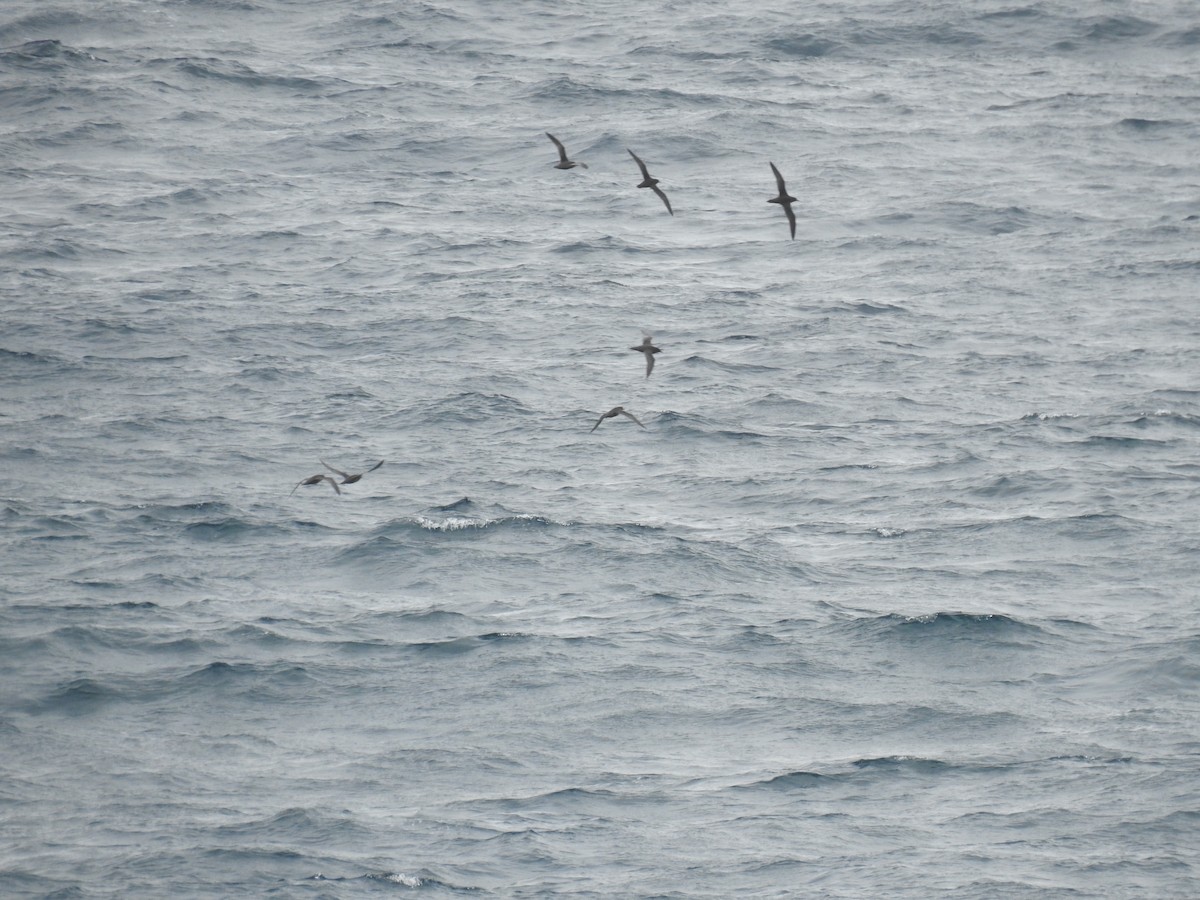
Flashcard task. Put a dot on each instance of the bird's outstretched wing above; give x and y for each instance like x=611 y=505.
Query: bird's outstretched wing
x=332 y=469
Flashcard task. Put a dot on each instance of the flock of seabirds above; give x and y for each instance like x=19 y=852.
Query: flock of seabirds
x=646 y=347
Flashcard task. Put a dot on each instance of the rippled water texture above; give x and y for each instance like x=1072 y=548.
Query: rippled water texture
x=893 y=596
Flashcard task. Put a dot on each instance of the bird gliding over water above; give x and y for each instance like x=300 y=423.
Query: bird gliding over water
x=649 y=349
x=317 y=479
x=613 y=413
x=648 y=182
x=785 y=200
x=563 y=162
x=347 y=478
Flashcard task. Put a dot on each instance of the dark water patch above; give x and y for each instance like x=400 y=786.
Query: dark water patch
x=97 y=326
x=791 y=781
x=405 y=625
x=574 y=93
x=237 y=6
x=352 y=395
x=986 y=219
x=27 y=362
x=1169 y=673
x=1186 y=821
x=964 y=216
x=76 y=640
x=691 y=55
x=867 y=308
x=376 y=549
x=991 y=888
x=242 y=635
x=190 y=195
x=912 y=36
x=56 y=528
x=605 y=243
x=232 y=528
x=719 y=561
x=1073 y=629
x=738 y=297
x=1016 y=485
x=1110 y=29
x=1187 y=38
x=42 y=54
x=214 y=69
x=890 y=767
x=565 y=88
x=266 y=374
x=173 y=647
x=702 y=363
x=729 y=338
x=58 y=249
x=990 y=627
x=78 y=697
x=262 y=681
x=1166 y=417
x=802 y=46
x=34 y=647
x=154 y=583
x=1092 y=760
x=750 y=637
x=358 y=24
x=571 y=799
x=251 y=858
x=471 y=643
x=1016 y=12
x=1121 y=442
x=450 y=646
x=164 y=295
x=297 y=826
x=474 y=407
x=1148 y=125
x=16 y=882
x=683 y=425
x=95 y=134
x=904 y=765
x=845 y=466
x=1083 y=526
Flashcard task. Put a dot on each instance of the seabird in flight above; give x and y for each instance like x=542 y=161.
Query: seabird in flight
x=317 y=479
x=563 y=162
x=347 y=478
x=785 y=200
x=612 y=413
x=649 y=349
x=652 y=183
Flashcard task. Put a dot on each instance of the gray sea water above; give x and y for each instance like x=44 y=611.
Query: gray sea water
x=894 y=595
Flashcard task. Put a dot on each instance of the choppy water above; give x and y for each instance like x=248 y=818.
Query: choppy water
x=895 y=595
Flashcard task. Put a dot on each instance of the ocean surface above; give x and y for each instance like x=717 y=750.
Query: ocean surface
x=894 y=595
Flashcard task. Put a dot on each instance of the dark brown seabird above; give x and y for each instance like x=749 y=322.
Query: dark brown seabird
x=563 y=162
x=351 y=479
x=648 y=182
x=612 y=413
x=649 y=349
x=317 y=479
x=785 y=200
